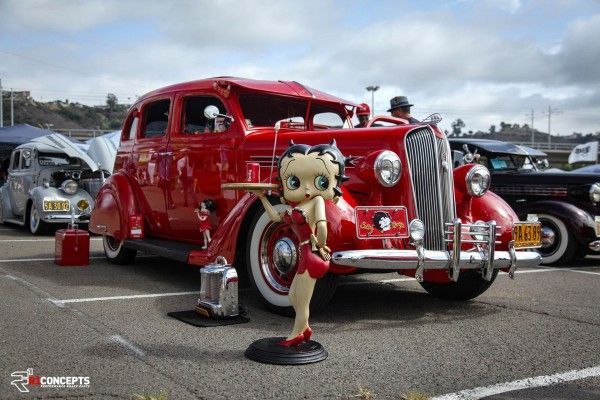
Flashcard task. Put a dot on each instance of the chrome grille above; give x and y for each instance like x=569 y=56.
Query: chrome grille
x=431 y=174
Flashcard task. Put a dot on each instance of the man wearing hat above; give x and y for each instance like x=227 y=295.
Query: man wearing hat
x=363 y=112
x=400 y=108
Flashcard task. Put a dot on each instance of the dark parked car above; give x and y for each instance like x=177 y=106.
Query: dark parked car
x=567 y=204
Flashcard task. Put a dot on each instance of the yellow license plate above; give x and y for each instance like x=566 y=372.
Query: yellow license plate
x=527 y=235
x=57 y=205
x=597 y=219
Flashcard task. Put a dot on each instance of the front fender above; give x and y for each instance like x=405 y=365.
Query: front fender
x=114 y=204
x=489 y=207
x=578 y=221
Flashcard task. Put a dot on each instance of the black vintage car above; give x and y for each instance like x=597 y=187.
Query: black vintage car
x=567 y=204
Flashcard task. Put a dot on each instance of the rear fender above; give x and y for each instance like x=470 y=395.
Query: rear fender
x=114 y=205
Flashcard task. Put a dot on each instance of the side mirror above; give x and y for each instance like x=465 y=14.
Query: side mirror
x=211 y=112
x=543 y=164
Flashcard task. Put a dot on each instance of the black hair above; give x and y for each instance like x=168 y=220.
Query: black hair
x=379 y=215
x=209 y=204
x=325 y=148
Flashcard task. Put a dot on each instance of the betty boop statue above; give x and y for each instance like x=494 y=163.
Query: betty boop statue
x=309 y=176
x=203 y=212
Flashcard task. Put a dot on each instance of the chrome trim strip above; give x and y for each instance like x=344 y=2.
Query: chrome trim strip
x=439 y=260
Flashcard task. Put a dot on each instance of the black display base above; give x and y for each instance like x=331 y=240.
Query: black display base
x=193 y=318
x=268 y=351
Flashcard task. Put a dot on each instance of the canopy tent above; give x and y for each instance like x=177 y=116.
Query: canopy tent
x=12 y=136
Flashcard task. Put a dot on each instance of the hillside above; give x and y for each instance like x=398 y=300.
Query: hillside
x=64 y=114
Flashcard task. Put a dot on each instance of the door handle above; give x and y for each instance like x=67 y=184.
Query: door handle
x=165 y=153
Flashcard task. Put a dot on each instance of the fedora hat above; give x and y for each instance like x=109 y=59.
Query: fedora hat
x=399 y=101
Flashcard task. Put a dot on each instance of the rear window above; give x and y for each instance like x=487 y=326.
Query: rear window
x=265 y=110
x=156 y=119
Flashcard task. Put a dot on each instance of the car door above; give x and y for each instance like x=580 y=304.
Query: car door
x=151 y=160
x=203 y=154
x=14 y=183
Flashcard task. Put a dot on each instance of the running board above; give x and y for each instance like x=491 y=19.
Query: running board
x=171 y=249
x=20 y=222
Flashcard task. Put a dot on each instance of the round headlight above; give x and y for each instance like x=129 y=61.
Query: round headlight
x=69 y=186
x=388 y=168
x=595 y=193
x=416 y=230
x=478 y=181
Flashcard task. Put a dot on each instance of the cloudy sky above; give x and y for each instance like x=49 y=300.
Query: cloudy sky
x=483 y=61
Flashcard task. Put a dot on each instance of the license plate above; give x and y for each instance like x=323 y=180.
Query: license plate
x=57 y=205
x=381 y=222
x=527 y=235
x=597 y=219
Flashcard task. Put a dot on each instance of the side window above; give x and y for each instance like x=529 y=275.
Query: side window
x=132 y=129
x=25 y=159
x=156 y=119
x=194 y=121
x=15 y=160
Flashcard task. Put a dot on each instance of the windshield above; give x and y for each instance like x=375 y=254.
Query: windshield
x=56 y=160
x=504 y=162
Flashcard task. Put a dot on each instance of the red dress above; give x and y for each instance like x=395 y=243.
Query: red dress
x=308 y=260
x=204 y=225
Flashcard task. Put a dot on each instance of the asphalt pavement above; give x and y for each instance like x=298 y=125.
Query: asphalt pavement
x=534 y=337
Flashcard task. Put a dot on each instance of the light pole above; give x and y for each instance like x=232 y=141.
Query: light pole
x=372 y=89
x=549 y=113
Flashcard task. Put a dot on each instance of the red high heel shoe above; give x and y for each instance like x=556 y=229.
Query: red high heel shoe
x=292 y=342
x=302 y=337
x=307 y=333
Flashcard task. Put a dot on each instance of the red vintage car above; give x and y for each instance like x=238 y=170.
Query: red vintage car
x=179 y=145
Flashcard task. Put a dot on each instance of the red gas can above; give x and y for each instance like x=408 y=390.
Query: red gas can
x=72 y=247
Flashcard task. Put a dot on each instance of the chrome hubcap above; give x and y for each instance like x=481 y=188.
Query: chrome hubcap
x=285 y=255
x=34 y=219
x=548 y=237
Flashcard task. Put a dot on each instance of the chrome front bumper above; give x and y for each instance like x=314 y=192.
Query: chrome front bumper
x=57 y=219
x=483 y=257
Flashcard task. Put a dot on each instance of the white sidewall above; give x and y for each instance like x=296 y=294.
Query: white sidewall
x=564 y=237
x=110 y=254
x=265 y=290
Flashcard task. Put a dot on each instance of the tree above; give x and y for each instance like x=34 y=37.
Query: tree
x=112 y=102
x=493 y=130
x=457 y=127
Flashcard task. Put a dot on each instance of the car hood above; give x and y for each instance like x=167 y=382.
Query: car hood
x=103 y=150
x=63 y=144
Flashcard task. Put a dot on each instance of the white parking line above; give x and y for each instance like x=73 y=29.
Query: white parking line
x=41 y=259
x=582 y=272
x=60 y=303
x=134 y=296
x=527 y=383
x=128 y=345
